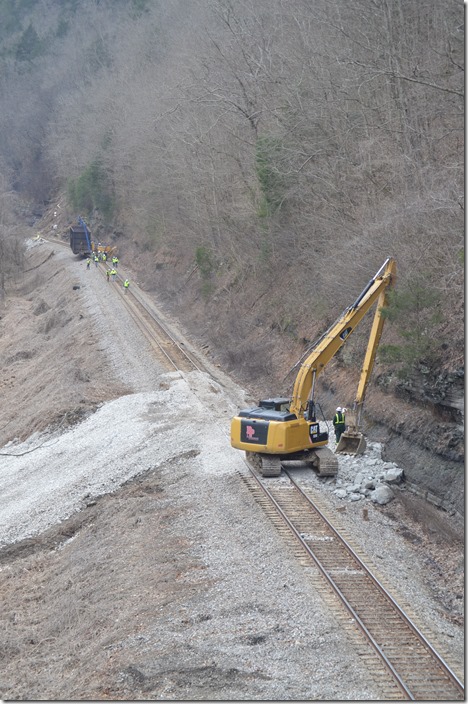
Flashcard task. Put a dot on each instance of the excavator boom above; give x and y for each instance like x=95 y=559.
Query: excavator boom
x=337 y=335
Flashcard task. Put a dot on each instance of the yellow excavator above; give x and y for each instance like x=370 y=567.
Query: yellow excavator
x=281 y=429
x=98 y=248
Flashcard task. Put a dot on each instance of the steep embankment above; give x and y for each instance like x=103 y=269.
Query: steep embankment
x=424 y=437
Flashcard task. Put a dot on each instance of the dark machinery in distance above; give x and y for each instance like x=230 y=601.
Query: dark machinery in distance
x=81 y=242
x=80 y=239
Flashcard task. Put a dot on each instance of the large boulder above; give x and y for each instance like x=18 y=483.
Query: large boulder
x=394 y=476
x=382 y=495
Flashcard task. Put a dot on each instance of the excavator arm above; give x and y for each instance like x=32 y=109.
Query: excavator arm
x=337 y=334
x=369 y=359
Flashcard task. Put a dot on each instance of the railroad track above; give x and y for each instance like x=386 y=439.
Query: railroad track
x=171 y=351
x=403 y=662
x=409 y=666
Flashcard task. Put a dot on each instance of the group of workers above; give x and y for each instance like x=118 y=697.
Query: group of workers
x=100 y=256
x=111 y=273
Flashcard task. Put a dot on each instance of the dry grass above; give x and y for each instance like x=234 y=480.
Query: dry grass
x=51 y=368
x=78 y=605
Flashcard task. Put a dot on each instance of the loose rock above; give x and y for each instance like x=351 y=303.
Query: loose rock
x=382 y=495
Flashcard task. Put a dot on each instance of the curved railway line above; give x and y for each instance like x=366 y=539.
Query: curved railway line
x=170 y=351
x=403 y=662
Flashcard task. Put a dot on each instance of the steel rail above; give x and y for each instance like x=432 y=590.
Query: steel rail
x=148 y=332
x=335 y=587
x=147 y=329
x=440 y=661
x=360 y=622
x=152 y=314
x=322 y=568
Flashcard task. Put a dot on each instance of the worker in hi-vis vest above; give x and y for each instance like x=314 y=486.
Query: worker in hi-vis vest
x=339 y=423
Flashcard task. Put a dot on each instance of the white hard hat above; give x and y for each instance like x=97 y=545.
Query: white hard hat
x=339 y=408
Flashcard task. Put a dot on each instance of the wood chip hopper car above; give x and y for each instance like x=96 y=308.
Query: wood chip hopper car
x=82 y=244
x=80 y=239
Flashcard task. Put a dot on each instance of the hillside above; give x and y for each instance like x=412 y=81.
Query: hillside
x=419 y=419
x=254 y=164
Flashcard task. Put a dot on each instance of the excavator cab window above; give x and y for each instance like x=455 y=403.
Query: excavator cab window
x=345 y=333
x=276 y=404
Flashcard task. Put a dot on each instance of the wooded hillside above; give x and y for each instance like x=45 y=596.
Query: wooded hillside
x=259 y=159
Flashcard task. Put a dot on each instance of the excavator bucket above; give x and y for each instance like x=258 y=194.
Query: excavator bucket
x=351 y=443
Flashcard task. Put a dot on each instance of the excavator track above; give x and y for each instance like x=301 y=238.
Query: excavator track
x=271 y=466
x=265 y=465
x=322 y=460
x=327 y=462
x=254 y=461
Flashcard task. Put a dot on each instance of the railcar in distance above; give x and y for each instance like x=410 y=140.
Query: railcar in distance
x=80 y=239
